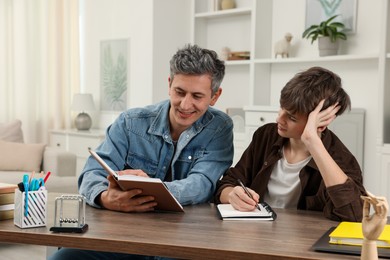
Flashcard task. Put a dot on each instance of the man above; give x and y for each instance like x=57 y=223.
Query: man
x=297 y=162
x=182 y=141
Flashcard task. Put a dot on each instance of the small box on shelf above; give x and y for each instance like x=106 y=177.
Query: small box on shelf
x=239 y=55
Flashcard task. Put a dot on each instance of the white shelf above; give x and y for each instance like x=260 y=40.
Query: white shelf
x=237 y=62
x=319 y=59
x=224 y=13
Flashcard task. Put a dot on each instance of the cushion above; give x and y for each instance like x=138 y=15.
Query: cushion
x=11 y=131
x=20 y=156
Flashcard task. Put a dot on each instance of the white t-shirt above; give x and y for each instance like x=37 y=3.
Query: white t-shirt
x=284 y=186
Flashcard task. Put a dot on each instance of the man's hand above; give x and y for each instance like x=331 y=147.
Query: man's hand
x=126 y=201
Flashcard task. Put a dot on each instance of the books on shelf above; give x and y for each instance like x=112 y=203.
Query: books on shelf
x=149 y=186
x=350 y=233
x=7 y=200
x=227 y=212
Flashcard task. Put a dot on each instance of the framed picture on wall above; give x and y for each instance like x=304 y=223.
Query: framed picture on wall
x=114 y=74
x=320 y=10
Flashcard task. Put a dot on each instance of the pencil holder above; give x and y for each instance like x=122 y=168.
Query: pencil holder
x=30 y=209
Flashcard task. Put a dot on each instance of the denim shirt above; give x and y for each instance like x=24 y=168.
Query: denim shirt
x=140 y=139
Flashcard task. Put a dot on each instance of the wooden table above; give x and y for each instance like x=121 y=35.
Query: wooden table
x=196 y=234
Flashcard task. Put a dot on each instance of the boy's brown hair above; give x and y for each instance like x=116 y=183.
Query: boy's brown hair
x=306 y=89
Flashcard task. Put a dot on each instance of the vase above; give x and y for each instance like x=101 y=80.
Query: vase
x=228 y=4
x=326 y=47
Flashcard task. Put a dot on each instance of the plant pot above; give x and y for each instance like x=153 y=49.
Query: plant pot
x=326 y=47
x=228 y=4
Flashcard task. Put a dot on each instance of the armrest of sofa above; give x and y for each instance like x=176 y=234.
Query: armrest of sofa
x=59 y=162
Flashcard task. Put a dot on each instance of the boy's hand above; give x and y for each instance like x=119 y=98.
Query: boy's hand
x=318 y=120
x=241 y=201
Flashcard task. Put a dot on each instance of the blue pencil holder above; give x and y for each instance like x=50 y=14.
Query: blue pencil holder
x=31 y=210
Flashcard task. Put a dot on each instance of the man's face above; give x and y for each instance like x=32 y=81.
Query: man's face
x=290 y=125
x=190 y=97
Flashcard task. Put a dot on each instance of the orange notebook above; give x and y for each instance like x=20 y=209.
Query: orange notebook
x=150 y=186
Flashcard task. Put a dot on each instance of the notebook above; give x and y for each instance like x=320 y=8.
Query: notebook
x=227 y=212
x=323 y=245
x=350 y=233
x=150 y=186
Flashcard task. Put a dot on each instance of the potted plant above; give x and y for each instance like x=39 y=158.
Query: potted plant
x=328 y=34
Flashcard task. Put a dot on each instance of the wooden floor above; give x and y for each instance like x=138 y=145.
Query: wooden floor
x=18 y=252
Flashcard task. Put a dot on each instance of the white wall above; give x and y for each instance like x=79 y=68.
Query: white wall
x=171 y=23
x=119 y=19
x=155 y=30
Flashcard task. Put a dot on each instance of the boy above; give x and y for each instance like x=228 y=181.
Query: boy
x=297 y=162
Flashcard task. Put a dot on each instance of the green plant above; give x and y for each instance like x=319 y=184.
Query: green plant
x=327 y=28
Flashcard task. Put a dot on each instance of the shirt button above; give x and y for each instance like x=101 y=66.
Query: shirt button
x=164 y=168
x=265 y=163
x=166 y=136
x=189 y=157
x=188 y=136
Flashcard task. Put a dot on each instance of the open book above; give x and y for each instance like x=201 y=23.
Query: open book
x=227 y=212
x=149 y=186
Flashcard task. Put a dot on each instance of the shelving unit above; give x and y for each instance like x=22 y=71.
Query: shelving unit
x=248 y=27
x=363 y=65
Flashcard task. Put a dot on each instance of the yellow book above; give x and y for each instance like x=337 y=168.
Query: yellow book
x=350 y=233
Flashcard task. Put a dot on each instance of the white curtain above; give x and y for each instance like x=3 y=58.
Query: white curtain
x=39 y=64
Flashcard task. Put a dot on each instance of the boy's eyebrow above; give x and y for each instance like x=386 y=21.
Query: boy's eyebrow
x=290 y=114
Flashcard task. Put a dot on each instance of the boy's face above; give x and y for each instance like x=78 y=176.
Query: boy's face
x=190 y=97
x=290 y=125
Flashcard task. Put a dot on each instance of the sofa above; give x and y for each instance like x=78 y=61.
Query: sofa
x=18 y=158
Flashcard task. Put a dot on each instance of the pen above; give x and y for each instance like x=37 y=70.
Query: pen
x=25 y=183
x=247 y=193
x=46 y=177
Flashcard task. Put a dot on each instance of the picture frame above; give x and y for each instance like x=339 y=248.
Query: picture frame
x=114 y=74
x=320 y=10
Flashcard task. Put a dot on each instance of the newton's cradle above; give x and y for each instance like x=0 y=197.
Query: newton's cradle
x=69 y=214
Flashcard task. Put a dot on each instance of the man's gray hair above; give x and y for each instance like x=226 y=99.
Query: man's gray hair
x=194 y=60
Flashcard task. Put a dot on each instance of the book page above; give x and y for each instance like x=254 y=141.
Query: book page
x=129 y=177
x=227 y=211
